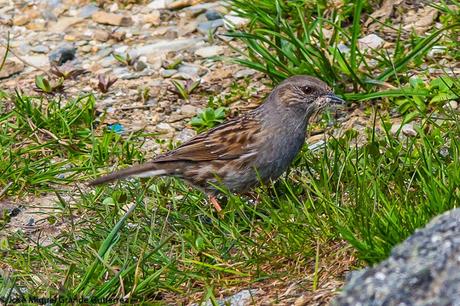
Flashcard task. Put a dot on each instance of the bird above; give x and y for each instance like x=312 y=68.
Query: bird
x=245 y=151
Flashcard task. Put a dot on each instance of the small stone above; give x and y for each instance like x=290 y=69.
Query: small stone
x=40 y=49
x=86 y=49
x=10 y=68
x=193 y=71
x=88 y=10
x=370 y=41
x=139 y=66
x=112 y=19
x=185 y=135
x=21 y=20
x=343 y=48
x=210 y=51
x=152 y=18
x=118 y=36
x=62 y=54
x=69 y=37
x=155 y=61
x=451 y=105
x=49 y=15
x=189 y=110
x=159 y=4
x=164 y=127
x=232 y=22
x=64 y=23
x=244 y=73
x=38 y=60
x=407 y=129
x=101 y=35
x=209 y=26
x=213 y=15
x=437 y=50
x=167 y=73
x=164 y=46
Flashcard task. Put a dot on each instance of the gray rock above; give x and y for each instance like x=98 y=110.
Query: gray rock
x=185 y=135
x=88 y=10
x=40 y=49
x=423 y=270
x=244 y=73
x=164 y=46
x=370 y=41
x=192 y=70
x=189 y=110
x=209 y=51
x=451 y=105
x=167 y=73
x=62 y=54
x=104 y=52
x=159 y=4
x=242 y=298
x=343 y=48
x=139 y=65
x=38 y=60
x=232 y=21
x=407 y=129
x=213 y=15
x=11 y=68
x=209 y=26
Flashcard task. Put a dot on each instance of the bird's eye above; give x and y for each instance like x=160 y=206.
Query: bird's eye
x=307 y=90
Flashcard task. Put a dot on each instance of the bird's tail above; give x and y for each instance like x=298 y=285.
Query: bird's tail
x=145 y=170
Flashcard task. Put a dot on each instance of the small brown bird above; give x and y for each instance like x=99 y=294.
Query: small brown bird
x=239 y=154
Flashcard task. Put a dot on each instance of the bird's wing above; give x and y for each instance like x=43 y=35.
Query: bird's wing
x=227 y=141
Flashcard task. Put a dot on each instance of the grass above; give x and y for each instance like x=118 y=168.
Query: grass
x=281 y=46
x=141 y=240
x=158 y=240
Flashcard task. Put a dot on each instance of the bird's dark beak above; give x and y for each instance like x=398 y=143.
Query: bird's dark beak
x=333 y=99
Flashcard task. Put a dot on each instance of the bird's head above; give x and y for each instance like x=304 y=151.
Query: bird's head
x=305 y=94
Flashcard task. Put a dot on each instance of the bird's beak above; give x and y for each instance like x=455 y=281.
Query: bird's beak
x=333 y=99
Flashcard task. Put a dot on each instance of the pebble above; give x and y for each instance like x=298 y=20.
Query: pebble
x=164 y=127
x=88 y=10
x=370 y=41
x=11 y=68
x=38 y=60
x=101 y=35
x=139 y=65
x=244 y=73
x=213 y=15
x=167 y=73
x=209 y=26
x=451 y=105
x=232 y=21
x=112 y=19
x=209 y=51
x=165 y=46
x=159 y=4
x=194 y=71
x=152 y=18
x=64 y=23
x=185 y=135
x=407 y=129
x=62 y=54
x=40 y=49
x=189 y=110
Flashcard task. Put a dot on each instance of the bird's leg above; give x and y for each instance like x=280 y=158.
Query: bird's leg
x=215 y=203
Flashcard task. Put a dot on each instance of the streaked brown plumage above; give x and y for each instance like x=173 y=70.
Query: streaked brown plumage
x=237 y=154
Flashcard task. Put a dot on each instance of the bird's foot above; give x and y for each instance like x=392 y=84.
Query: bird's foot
x=215 y=203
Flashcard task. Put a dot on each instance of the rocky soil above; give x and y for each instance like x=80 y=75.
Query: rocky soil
x=156 y=43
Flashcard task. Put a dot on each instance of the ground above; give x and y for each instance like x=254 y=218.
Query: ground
x=158 y=55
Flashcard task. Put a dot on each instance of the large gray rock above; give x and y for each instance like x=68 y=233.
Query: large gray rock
x=423 y=270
